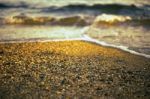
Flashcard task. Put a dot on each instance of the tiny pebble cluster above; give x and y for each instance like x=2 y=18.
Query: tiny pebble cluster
x=71 y=69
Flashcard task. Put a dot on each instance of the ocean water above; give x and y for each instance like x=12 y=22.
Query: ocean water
x=68 y=2
x=123 y=24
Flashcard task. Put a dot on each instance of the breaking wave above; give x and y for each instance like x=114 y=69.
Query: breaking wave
x=76 y=20
x=75 y=15
x=65 y=21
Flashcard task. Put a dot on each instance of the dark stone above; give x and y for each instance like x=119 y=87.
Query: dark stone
x=1 y=52
x=42 y=76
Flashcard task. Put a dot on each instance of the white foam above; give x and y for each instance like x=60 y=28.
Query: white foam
x=41 y=40
x=124 y=48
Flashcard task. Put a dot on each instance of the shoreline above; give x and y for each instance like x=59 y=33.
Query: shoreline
x=84 y=38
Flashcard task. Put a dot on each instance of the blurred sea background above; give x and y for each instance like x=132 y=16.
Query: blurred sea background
x=115 y=22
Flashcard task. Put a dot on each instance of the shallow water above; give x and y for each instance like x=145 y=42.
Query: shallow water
x=134 y=37
x=59 y=33
x=11 y=33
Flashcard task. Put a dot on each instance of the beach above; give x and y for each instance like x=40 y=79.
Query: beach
x=78 y=49
x=71 y=69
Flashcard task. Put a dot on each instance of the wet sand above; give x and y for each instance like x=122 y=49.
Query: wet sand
x=71 y=69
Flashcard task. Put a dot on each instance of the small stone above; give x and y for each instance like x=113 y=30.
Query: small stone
x=42 y=76
x=1 y=52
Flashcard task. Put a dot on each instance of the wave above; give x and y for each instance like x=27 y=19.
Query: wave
x=96 y=9
x=101 y=7
x=9 y=5
x=78 y=14
x=115 y=20
x=27 y=20
x=93 y=10
x=76 y=20
x=106 y=19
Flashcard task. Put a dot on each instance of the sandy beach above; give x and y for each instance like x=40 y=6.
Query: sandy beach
x=71 y=69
